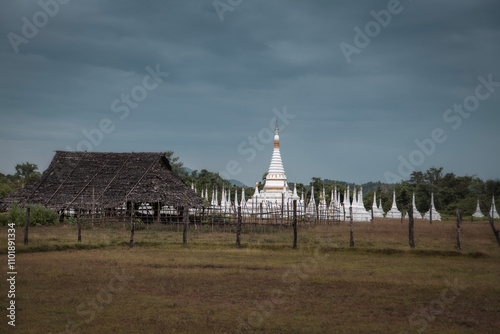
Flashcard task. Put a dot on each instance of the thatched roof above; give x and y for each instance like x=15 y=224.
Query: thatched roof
x=78 y=179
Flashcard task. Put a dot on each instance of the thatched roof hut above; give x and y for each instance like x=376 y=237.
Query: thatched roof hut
x=106 y=180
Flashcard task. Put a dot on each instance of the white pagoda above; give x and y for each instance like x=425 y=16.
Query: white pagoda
x=346 y=204
x=333 y=208
x=393 y=212
x=493 y=210
x=435 y=215
x=416 y=213
x=276 y=186
x=322 y=207
x=300 y=204
x=311 y=207
x=478 y=213
x=359 y=212
x=378 y=212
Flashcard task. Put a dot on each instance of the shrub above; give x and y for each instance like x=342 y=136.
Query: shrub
x=16 y=214
x=4 y=220
x=70 y=220
x=39 y=215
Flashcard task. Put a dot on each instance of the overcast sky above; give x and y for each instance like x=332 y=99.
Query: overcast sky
x=353 y=94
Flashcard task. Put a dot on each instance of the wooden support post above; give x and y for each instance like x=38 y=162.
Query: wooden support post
x=430 y=215
x=79 y=226
x=304 y=214
x=294 y=224
x=372 y=214
x=402 y=217
x=186 y=223
x=317 y=214
x=238 y=228
x=26 y=226
x=261 y=217
x=459 y=222
x=158 y=212
x=282 y=206
x=351 y=241
x=132 y=226
x=93 y=208
x=410 y=227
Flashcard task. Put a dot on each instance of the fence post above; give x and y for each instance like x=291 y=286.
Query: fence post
x=492 y=224
x=317 y=214
x=79 y=226
x=343 y=209
x=430 y=215
x=26 y=226
x=372 y=214
x=351 y=241
x=294 y=224
x=186 y=222
x=261 y=217
x=459 y=222
x=410 y=227
x=282 y=206
x=238 y=228
x=93 y=208
x=132 y=226
x=158 y=209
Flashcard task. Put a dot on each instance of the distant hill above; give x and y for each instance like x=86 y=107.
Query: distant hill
x=187 y=169
x=369 y=186
x=237 y=183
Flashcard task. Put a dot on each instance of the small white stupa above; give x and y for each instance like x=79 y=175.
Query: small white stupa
x=478 y=213
x=493 y=210
x=301 y=205
x=435 y=215
x=416 y=213
x=346 y=205
x=333 y=208
x=359 y=211
x=311 y=207
x=243 y=203
x=322 y=207
x=393 y=212
x=377 y=212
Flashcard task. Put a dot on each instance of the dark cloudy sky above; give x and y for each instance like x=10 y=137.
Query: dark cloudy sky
x=355 y=117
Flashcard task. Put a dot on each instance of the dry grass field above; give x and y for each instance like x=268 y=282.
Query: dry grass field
x=324 y=286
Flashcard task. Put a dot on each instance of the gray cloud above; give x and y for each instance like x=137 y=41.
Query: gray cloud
x=353 y=120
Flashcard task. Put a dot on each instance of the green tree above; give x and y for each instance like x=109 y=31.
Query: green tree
x=417 y=177
x=177 y=167
x=434 y=175
x=27 y=173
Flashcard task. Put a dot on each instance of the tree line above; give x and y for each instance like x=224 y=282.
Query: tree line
x=26 y=173
x=450 y=191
